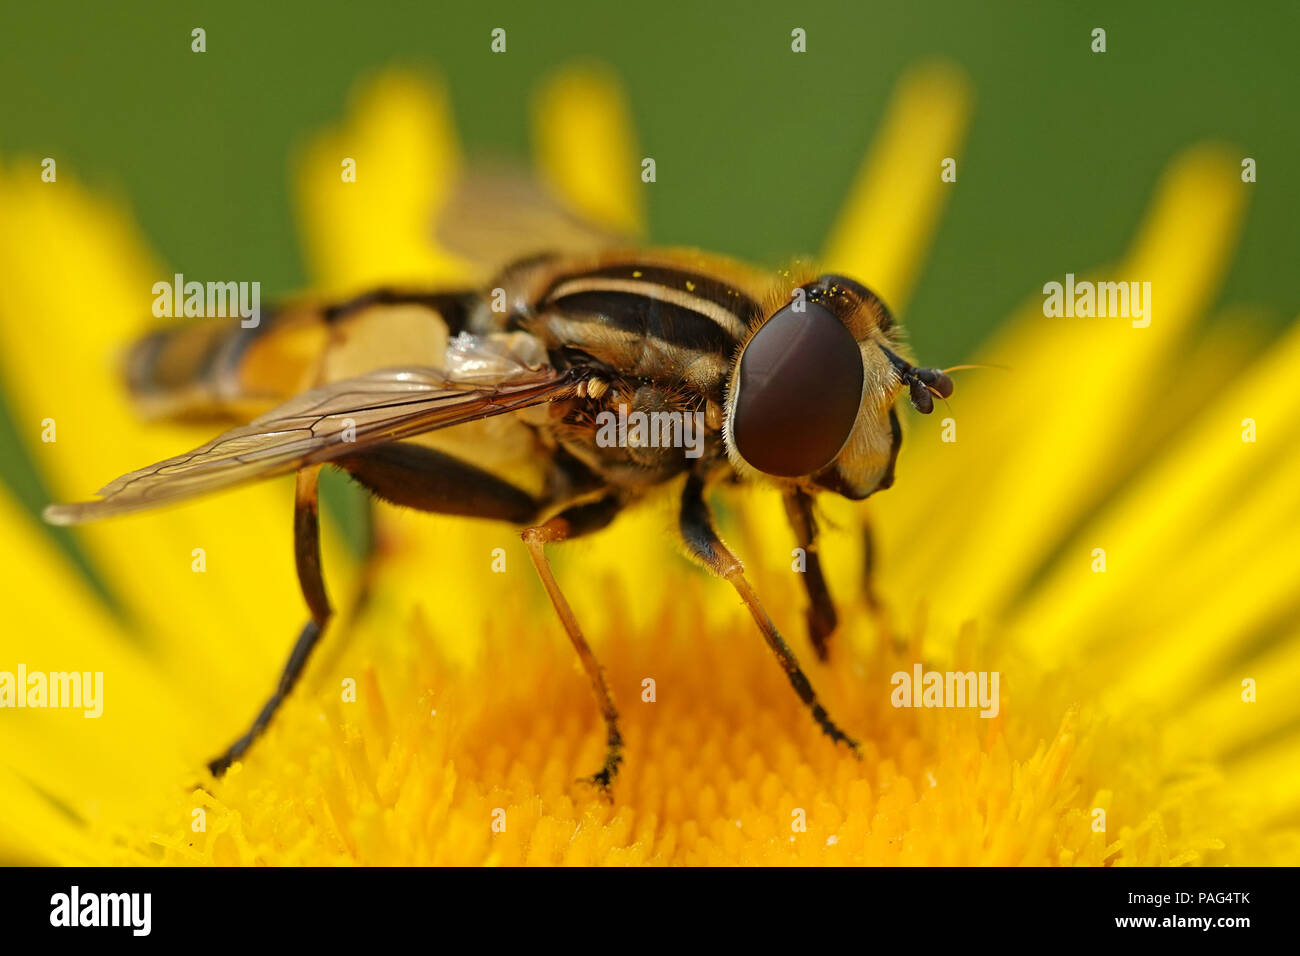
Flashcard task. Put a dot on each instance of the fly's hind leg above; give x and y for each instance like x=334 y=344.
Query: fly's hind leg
x=571 y=523
x=306 y=545
x=876 y=605
x=697 y=531
x=404 y=474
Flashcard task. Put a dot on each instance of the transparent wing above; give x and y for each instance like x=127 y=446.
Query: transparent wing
x=322 y=424
x=499 y=215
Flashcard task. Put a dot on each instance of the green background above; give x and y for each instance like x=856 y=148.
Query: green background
x=755 y=146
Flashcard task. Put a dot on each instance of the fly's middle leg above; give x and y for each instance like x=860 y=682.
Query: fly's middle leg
x=570 y=523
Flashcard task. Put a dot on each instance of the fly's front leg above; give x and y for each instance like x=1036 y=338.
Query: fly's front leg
x=703 y=542
x=821 y=607
x=306 y=545
x=570 y=523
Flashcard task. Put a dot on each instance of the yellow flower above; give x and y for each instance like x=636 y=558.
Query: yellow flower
x=1126 y=731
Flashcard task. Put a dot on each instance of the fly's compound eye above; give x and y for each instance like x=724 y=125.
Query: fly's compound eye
x=798 y=390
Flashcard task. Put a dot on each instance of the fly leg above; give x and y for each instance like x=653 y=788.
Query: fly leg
x=306 y=546
x=570 y=523
x=821 y=607
x=405 y=474
x=697 y=531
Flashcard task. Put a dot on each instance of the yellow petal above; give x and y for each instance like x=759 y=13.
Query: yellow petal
x=1034 y=442
x=585 y=146
x=1250 y=703
x=893 y=207
x=1213 y=508
x=141 y=724
x=80 y=292
x=379 y=228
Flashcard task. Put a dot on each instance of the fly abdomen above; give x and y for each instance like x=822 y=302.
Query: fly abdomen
x=217 y=368
x=191 y=371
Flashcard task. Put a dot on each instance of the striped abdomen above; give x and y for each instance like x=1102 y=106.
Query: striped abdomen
x=214 y=368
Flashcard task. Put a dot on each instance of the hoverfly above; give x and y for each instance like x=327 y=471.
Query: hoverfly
x=794 y=375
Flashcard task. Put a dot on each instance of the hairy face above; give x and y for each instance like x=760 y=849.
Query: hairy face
x=811 y=397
